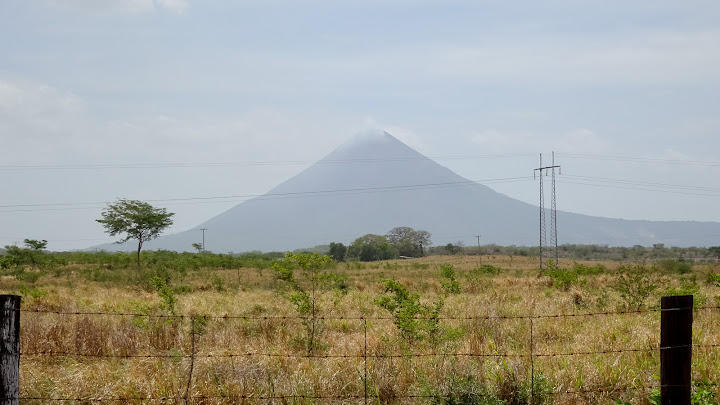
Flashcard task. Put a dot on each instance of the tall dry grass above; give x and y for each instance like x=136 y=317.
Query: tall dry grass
x=260 y=358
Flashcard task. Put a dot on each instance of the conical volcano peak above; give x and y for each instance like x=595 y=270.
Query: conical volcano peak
x=373 y=144
x=373 y=135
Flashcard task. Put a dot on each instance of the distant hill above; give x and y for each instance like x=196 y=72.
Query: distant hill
x=374 y=182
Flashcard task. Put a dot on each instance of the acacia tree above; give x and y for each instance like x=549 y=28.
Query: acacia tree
x=408 y=241
x=136 y=220
x=34 y=244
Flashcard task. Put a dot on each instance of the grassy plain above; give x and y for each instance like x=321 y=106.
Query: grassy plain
x=249 y=346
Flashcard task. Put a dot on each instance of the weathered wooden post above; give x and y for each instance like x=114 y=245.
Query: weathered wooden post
x=10 y=349
x=675 y=349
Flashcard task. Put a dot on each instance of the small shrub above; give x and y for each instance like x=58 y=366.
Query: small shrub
x=306 y=289
x=451 y=286
x=161 y=286
x=714 y=279
x=414 y=320
x=688 y=286
x=585 y=270
x=674 y=266
x=562 y=278
x=634 y=286
x=488 y=269
x=475 y=275
x=462 y=390
x=702 y=394
x=514 y=391
x=25 y=291
x=28 y=276
x=218 y=283
x=198 y=325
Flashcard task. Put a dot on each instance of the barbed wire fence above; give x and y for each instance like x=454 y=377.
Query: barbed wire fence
x=362 y=356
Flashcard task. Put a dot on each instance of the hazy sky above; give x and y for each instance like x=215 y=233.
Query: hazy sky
x=172 y=100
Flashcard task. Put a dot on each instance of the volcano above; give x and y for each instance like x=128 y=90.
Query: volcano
x=374 y=183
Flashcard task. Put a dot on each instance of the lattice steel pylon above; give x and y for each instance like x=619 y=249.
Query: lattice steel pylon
x=553 y=211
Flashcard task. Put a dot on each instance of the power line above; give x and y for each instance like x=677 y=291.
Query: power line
x=194 y=200
x=641 y=159
x=249 y=163
x=568 y=179
x=643 y=183
x=638 y=187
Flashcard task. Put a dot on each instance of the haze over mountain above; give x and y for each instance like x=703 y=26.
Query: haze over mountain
x=374 y=182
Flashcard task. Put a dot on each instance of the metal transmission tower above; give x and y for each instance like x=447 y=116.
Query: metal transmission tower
x=553 y=211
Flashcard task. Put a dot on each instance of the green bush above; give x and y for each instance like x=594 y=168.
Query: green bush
x=714 y=279
x=462 y=390
x=674 y=266
x=305 y=290
x=28 y=276
x=585 y=270
x=167 y=295
x=689 y=286
x=488 y=269
x=514 y=391
x=414 y=320
x=635 y=285
x=31 y=292
x=451 y=285
x=702 y=394
x=562 y=278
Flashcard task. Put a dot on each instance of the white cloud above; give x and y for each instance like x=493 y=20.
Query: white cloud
x=580 y=141
x=496 y=141
x=122 y=6
x=35 y=119
x=40 y=124
x=176 y=6
x=27 y=98
x=642 y=58
x=646 y=58
x=575 y=141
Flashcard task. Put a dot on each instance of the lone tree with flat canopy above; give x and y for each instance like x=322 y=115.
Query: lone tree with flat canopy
x=136 y=219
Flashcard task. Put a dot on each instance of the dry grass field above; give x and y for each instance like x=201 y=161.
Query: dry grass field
x=236 y=338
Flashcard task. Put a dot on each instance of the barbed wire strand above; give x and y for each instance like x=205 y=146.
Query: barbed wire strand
x=357 y=318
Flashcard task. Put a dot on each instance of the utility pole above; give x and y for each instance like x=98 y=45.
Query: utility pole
x=553 y=211
x=203 y=231
x=479 y=255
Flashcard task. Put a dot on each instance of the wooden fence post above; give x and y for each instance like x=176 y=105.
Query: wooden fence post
x=10 y=349
x=675 y=349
